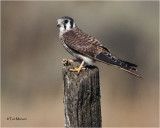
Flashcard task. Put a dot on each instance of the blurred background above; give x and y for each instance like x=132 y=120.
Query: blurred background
x=32 y=85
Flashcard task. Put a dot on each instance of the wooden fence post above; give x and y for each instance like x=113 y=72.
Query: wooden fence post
x=82 y=106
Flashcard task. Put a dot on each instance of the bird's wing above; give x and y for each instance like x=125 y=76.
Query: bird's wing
x=86 y=45
x=82 y=43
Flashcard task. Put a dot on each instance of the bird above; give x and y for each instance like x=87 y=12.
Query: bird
x=88 y=49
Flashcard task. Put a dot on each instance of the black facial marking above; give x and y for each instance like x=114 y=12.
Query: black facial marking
x=65 y=26
x=71 y=22
x=65 y=21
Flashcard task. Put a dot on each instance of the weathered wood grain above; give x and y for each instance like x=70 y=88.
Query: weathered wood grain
x=82 y=104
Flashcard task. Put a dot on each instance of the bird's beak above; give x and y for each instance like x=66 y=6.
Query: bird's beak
x=58 y=25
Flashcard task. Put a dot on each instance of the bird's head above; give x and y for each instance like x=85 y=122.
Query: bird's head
x=65 y=24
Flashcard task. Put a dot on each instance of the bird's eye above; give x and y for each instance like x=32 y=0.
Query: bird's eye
x=65 y=21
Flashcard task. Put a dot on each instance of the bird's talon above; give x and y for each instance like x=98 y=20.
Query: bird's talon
x=74 y=70
x=77 y=69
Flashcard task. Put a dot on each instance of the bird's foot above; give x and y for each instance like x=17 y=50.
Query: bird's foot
x=77 y=69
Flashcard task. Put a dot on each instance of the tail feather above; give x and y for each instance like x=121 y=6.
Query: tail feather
x=132 y=73
x=128 y=63
x=124 y=65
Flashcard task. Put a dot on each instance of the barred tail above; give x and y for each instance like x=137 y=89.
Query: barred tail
x=124 y=65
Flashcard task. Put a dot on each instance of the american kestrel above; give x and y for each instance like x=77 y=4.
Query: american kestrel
x=87 y=48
